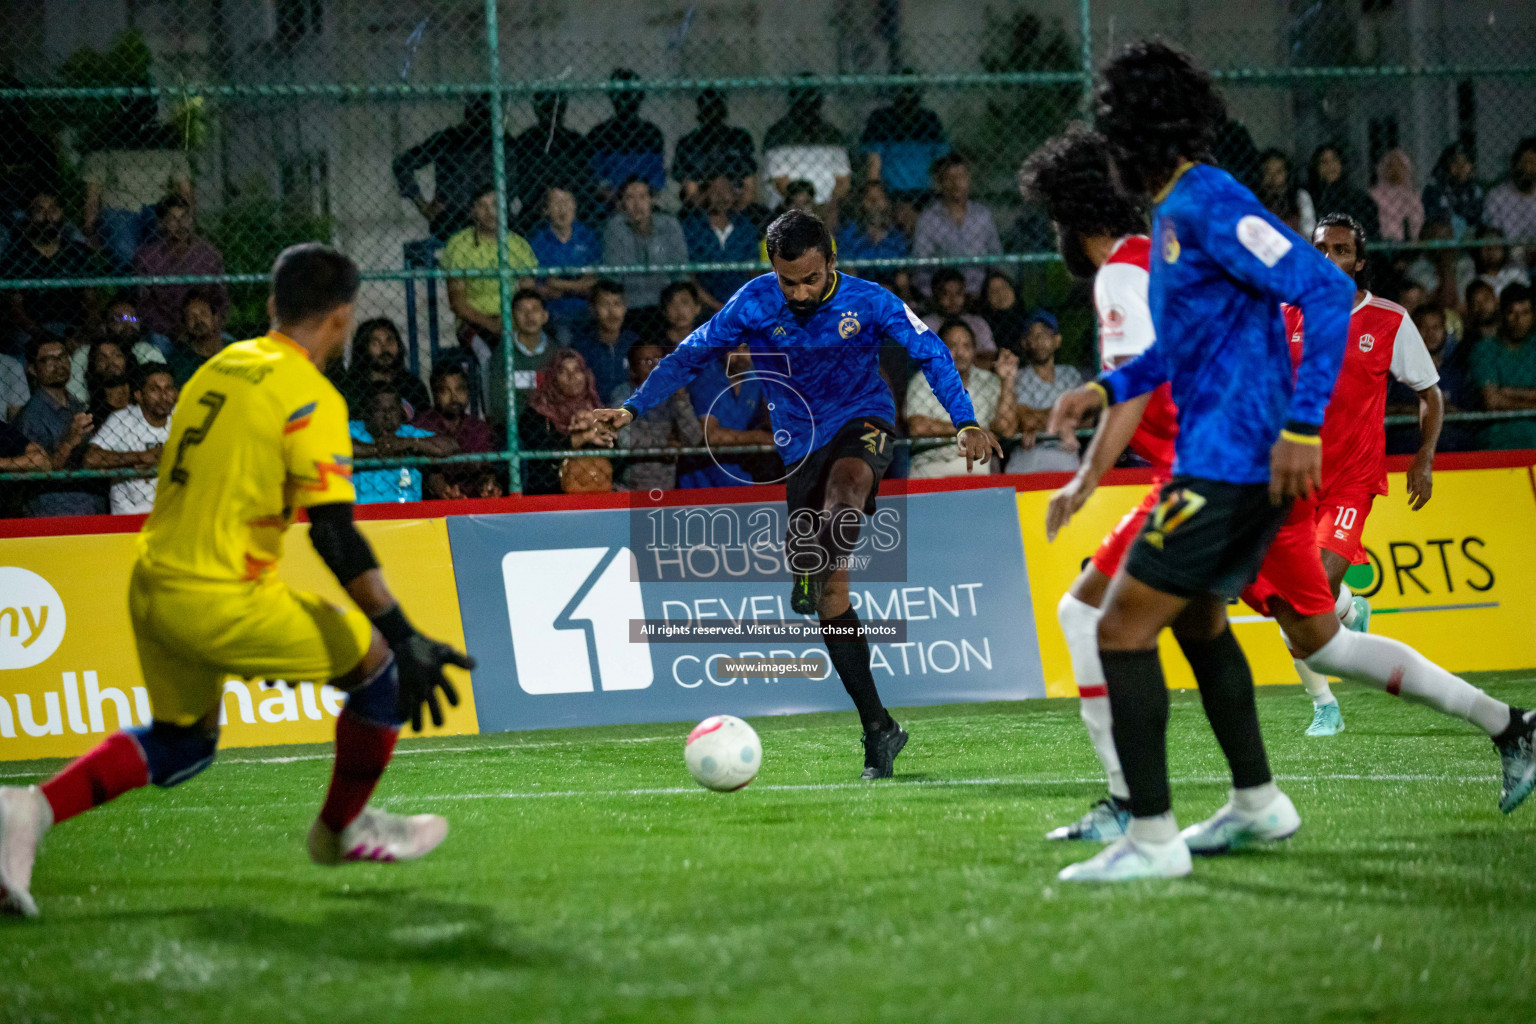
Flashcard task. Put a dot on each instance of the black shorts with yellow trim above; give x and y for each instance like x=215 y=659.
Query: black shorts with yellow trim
x=869 y=439
x=1205 y=537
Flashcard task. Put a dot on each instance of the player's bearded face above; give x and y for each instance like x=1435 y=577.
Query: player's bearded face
x=803 y=281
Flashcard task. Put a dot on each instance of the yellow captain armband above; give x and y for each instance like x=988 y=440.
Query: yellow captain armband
x=1295 y=438
x=1103 y=392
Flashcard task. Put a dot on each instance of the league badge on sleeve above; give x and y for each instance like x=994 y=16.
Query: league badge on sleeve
x=1170 y=241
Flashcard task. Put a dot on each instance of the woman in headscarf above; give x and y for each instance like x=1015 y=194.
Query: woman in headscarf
x=1454 y=193
x=1328 y=184
x=558 y=416
x=1280 y=194
x=1398 y=208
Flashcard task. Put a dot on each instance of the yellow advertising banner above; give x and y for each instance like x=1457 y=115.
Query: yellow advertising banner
x=1451 y=580
x=69 y=673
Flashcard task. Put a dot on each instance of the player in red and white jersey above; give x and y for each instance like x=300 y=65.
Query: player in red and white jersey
x=1383 y=342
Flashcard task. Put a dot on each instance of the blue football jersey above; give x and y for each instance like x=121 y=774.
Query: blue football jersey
x=1221 y=266
x=820 y=371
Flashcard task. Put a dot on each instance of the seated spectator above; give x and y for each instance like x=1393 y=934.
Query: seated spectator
x=177 y=249
x=19 y=454
x=1511 y=207
x=462 y=162
x=590 y=475
x=42 y=250
x=200 y=337
x=1491 y=261
x=532 y=349
x=955 y=226
x=902 y=141
x=133 y=438
x=383 y=432
x=680 y=309
x=733 y=410
x=122 y=187
x=550 y=155
x=451 y=417
x=476 y=301
x=1504 y=369
x=1450 y=361
x=378 y=358
x=803 y=145
x=57 y=422
x=558 y=417
x=14 y=389
x=1004 y=313
x=626 y=147
x=121 y=327
x=108 y=379
x=1411 y=295
x=1040 y=382
x=1399 y=210
x=994 y=405
x=1328 y=184
x=563 y=241
x=872 y=235
x=1440 y=270
x=713 y=150
x=604 y=342
x=672 y=424
x=1281 y=195
x=949 y=304
x=716 y=233
x=1454 y=193
x=1482 y=319
x=640 y=236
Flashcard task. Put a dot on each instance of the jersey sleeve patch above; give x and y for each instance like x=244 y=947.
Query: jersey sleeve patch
x=914 y=320
x=300 y=418
x=1260 y=237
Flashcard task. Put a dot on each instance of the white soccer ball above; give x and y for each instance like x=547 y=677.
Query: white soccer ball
x=723 y=753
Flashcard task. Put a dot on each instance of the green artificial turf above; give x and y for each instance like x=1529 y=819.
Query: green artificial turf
x=585 y=878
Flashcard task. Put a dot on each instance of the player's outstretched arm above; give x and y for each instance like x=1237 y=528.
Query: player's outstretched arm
x=420 y=661
x=902 y=326
x=1109 y=441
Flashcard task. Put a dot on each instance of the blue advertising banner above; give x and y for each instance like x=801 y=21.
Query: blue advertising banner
x=548 y=600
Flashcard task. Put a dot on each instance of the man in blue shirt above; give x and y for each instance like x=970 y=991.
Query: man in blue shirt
x=728 y=400
x=383 y=432
x=1248 y=444
x=815 y=337
x=627 y=146
x=563 y=241
x=716 y=233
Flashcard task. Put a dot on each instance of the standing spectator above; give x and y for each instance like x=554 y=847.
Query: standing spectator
x=175 y=250
x=57 y=422
x=671 y=424
x=564 y=241
x=122 y=187
x=1281 y=195
x=680 y=309
x=1004 y=313
x=476 y=301
x=1453 y=191
x=383 y=432
x=716 y=233
x=873 y=235
x=1440 y=271
x=955 y=226
x=133 y=438
x=14 y=390
x=378 y=359
x=804 y=145
x=550 y=155
x=1328 y=184
x=1511 y=207
x=462 y=162
x=1040 y=382
x=625 y=147
x=108 y=386
x=949 y=304
x=42 y=251
x=604 y=342
x=733 y=410
x=902 y=141
x=120 y=325
x=639 y=236
x=558 y=417
x=532 y=349
x=1399 y=210
x=1504 y=368
x=26 y=157
x=1491 y=261
x=450 y=417
x=714 y=149
x=994 y=405
x=201 y=336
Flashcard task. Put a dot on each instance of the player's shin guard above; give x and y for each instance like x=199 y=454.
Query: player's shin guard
x=1404 y=672
x=1138 y=701
x=1226 y=693
x=114 y=767
x=850 y=657
x=366 y=731
x=1080 y=626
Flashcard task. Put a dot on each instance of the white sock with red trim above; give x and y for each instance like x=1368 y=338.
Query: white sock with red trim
x=1404 y=672
x=1080 y=625
x=1345 y=606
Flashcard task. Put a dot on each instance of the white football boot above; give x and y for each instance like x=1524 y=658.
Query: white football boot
x=25 y=817
x=1127 y=859
x=1232 y=828
x=378 y=836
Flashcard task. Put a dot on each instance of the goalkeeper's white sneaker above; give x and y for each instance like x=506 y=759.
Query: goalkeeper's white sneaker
x=25 y=818
x=1232 y=828
x=1127 y=859
x=378 y=836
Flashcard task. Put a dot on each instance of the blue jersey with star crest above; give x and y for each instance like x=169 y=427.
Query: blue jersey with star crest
x=1221 y=265
x=820 y=371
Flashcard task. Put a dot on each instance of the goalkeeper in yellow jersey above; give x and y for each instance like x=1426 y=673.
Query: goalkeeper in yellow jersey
x=258 y=432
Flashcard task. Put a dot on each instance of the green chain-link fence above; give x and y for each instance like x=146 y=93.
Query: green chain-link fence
x=491 y=167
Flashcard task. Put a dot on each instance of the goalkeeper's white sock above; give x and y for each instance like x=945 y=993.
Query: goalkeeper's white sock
x=1080 y=625
x=1403 y=671
x=1344 y=607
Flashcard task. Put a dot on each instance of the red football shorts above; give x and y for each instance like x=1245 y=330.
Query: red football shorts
x=1113 y=548
x=1293 y=569
x=1340 y=525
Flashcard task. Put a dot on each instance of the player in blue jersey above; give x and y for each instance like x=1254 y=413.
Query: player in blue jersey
x=1221 y=264
x=819 y=332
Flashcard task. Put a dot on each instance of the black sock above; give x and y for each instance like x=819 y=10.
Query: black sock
x=850 y=658
x=839 y=533
x=1138 y=702
x=1226 y=692
x=1512 y=731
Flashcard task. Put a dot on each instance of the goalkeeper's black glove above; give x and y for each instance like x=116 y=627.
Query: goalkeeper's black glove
x=420 y=663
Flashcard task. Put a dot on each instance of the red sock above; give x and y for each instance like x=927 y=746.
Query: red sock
x=362 y=753
x=112 y=769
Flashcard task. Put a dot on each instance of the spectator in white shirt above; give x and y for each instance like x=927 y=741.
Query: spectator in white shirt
x=992 y=396
x=135 y=437
x=803 y=144
x=949 y=304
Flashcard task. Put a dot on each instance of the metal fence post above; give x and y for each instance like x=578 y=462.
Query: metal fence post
x=1085 y=26
x=503 y=263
